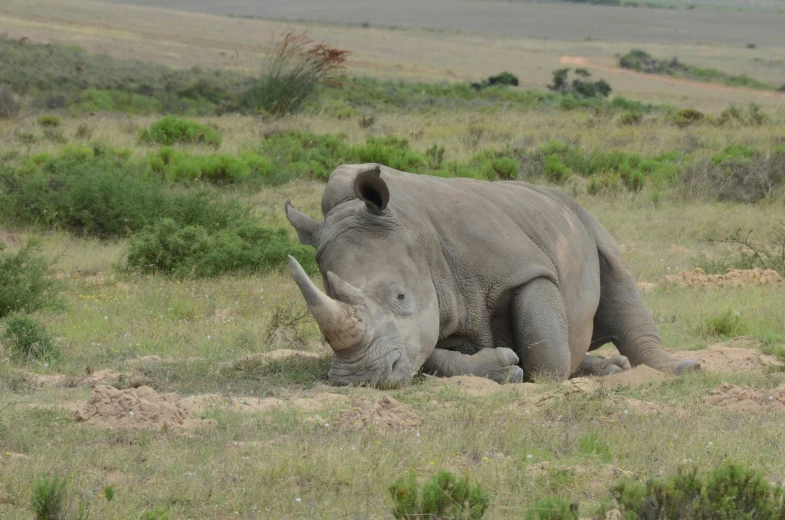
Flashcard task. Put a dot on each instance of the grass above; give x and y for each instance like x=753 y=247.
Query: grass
x=204 y=327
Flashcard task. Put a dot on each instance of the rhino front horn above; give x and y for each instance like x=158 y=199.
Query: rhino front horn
x=340 y=323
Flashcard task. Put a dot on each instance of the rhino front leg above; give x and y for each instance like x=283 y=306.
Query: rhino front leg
x=540 y=330
x=600 y=366
x=497 y=364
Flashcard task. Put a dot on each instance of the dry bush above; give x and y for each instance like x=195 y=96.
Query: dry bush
x=737 y=180
x=296 y=67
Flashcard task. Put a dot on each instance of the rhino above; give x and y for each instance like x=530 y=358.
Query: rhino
x=454 y=276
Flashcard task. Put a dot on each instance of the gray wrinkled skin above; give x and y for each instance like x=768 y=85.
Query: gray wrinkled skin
x=504 y=280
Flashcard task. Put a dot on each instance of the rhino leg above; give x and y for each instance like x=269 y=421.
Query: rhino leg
x=540 y=330
x=600 y=366
x=497 y=364
x=622 y=319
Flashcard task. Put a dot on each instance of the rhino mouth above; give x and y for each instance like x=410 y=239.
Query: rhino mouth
x=390 y=371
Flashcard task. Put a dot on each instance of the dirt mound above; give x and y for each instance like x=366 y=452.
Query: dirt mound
x=645 y=287
x=733 y=278
x=635 y=376
x=474 y=385
x=139 y=407
x=721 y=357
x=384 y=416
x=740 y=399
x=196 y=404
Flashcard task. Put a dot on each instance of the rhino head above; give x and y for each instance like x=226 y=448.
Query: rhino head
x=380 y=315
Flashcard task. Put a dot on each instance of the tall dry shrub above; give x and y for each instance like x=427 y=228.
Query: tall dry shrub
x=296 y=67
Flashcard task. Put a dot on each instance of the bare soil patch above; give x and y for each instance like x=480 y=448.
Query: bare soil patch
x=196 y=404
x=741 y=399
x=721 y=357
x=386 y=415
x=733 y=278
x=140 y=407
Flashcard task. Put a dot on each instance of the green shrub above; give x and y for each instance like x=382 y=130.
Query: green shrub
x=504 y=79
x=641 y=61
x=47 y=120
x=105 y=196
x=293 y=73
x=442 y=496
x=10 y=103
x=687 y=117
x=555 y=170
x=195 y=251
x=172 y=130
x=28 y=339
x=51 y=500
x=25 y=284
x=581 y=88
x=389 y=151
x=730 y=492
x=630 y=119
x=553 y=508
x=217 y=168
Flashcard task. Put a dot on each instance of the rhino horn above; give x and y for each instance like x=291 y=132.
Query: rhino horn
x=340 y=323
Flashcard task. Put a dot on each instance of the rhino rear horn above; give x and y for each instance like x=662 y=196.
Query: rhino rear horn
x=341 y=324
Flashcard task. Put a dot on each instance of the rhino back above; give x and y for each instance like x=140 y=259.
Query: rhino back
x=495 y=237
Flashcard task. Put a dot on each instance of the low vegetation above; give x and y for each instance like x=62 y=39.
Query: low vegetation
x=729 y=491
x=442 y=496
x=172 y=130
x=25 y=282
x=581 y=86
x=641 y=61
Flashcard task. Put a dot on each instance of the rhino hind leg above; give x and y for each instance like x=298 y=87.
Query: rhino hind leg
x=622 y=319
x=540 y=330
x=600 y=366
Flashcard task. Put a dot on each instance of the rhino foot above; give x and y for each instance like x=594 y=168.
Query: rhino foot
x=599 y=366
x=499 y=364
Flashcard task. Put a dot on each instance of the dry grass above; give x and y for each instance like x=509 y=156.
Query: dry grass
x=185 y=39
x=287 y=463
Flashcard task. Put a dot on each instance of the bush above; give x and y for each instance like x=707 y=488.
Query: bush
x=443 y=496
x=630 y=119
x=739 y=174
x=105 y=196
x=172 y=130
x=389 y=151
x=730 y=492
x=27 y=339
x=553 y=508
x=304 y=154
x=49 y=121
x=10 y=103
x=194 y=251
x=505 y=79
x=25 y=284
x=51 y=500
x=581 y=88
x=216 y=168
x=641 y=61
x=687 y=117
x=297 y=67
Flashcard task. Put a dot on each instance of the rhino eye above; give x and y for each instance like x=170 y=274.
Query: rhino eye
x=401 y=296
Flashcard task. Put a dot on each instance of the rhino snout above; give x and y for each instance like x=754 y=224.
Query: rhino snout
x=391 y=371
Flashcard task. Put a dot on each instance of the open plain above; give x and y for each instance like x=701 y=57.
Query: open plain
x=195 y=396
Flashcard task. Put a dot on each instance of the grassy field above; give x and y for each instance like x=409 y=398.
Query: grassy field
x=266 y=435
x=184 y=39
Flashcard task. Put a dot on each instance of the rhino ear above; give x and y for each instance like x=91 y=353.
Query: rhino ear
x=306 y=226
x=371 y=189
